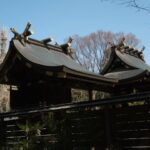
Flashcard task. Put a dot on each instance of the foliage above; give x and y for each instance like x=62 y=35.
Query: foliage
x=31 y=130
x=50 y=122
x=4 y=89
x=79 y=95
x=55 y=127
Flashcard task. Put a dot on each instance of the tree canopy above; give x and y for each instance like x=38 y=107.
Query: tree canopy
x=92 y=51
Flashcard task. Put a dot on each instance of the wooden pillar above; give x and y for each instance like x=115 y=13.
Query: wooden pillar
x=90 y=95
x=2 y=134
x=68 y=94
x=108 y=128
x=68 y=130
x=64 y=130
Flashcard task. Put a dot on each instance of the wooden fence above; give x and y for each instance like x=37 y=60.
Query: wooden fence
x=112 y=124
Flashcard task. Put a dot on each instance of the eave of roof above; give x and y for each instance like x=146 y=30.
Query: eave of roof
x=110 y=61
x=123 y=76
x=52 y=59
x=47 y=59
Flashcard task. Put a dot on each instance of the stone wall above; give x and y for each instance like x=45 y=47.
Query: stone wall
x=4 y=95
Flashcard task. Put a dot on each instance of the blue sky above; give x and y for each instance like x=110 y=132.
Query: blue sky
x=63 y=18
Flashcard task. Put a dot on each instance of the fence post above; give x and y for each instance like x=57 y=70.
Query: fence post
x=108 y=128
x=2 y=134
x=68 y=133
x=63 y=130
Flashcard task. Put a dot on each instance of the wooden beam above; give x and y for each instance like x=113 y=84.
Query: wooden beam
x=68 y=106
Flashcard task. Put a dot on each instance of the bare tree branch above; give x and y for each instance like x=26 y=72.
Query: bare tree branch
x=92 y=51
x=138 y=4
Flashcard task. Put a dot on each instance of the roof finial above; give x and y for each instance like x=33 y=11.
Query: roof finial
x=16 y=34
x=121 y=43
x=67 y=47
x=27 y=32
x=69 y=42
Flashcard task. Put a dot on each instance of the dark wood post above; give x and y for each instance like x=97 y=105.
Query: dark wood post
x=108 y=128
x=2 y=134
x=90 y=95
x=64 y=131
x=68 y=132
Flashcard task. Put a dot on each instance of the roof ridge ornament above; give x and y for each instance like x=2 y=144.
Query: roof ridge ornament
x=121 y=43
x=67 y=47
x=16 y=34
x=47 y=40
x=123 y=48
x=26 y=33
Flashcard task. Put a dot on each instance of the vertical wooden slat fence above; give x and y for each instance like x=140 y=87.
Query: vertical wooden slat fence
x=99 y=125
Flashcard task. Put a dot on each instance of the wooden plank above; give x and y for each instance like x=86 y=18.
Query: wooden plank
x=15 y=138
x=12 y=128
x=85 y=143
x=127 y=109
x=87 y=127
x=133 y=125
x=133 y=134
x=84 y=135
x=132 y=117
x=134 y=142
x=89 y=147
x=86 y=113
x=136 y=148
x=14 y=133
x=87 y=122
